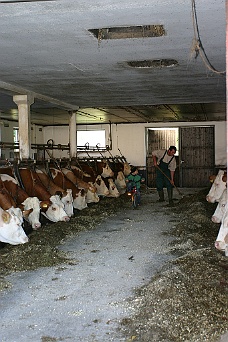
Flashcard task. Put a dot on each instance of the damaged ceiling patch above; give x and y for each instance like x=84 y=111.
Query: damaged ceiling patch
x=153 y=63
x=142 y=31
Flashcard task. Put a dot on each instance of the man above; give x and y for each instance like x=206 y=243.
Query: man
x=165 y=163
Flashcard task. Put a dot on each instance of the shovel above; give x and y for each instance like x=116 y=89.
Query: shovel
x=170 y=181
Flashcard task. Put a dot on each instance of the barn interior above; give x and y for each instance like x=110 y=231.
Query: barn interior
x=116 y=79
x=126 y=68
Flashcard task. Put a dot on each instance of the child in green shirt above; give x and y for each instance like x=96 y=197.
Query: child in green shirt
x=134 y=179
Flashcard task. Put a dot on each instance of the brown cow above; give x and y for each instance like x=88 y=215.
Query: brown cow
x=54 y=189
x=79 y=195
x=52 y=208
x=30 y=206
x=89 y=187
x=8 y=204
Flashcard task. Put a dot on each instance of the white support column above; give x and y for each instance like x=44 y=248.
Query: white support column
x=23 y=102
x=73 y=134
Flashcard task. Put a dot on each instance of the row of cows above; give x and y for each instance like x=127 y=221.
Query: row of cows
x=218 y=193
x=54 y=192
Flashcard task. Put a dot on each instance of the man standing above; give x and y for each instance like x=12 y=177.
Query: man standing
x=165 y=163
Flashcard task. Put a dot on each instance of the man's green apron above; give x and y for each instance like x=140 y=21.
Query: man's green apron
x=161 y=180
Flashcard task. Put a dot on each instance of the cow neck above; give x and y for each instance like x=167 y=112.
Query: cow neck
x=63 y=179
x=14 y=192
x=6 y=200
x=48 y=186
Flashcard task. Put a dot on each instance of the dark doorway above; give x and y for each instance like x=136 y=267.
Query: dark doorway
x=160 y=139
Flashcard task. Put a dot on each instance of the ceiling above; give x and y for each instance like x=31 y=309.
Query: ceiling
x=122 y=61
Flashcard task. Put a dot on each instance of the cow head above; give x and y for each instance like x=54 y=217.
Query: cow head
x=32 y=205
x=107 y=171
x=11 y=230
x=220 y=209
x=127 y=169
x=113 y=191
x=120 y=182
x=217 y=188
x=67 y=200
x=92 y=197
x=80 y=200
x=55 y=212
x=102 y=189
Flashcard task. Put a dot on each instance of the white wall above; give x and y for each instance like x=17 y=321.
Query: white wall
x=130 y=139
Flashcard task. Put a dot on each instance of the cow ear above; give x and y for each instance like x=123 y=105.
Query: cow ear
x=59 y=193
x=5 y=216
x=26 y=213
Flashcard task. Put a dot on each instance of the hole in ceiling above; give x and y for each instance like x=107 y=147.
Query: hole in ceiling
x=153 y=63
x=129 y=32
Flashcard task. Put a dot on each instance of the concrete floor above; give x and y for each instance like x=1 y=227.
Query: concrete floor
x=86 y=299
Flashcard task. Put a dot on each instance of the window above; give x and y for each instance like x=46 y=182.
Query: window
x=91 y=139
x=16 y=137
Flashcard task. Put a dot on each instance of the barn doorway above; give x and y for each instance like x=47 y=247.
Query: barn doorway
x=195 y=153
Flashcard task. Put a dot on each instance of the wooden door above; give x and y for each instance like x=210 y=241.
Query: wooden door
x=196 y=160
x=197 y=155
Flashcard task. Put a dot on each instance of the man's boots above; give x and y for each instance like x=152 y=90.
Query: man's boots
x=161 y=196
x=170 y=197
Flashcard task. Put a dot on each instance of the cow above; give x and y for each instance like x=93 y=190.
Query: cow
x=96 y=180
x=8 y=204
x=127 y=169
x=11 y=230
x=89 y=187
x=84 y=172
x=79 y=195
x=51 y=206
x=221 y=242
x=217 y=188
x=120 y=182
x=113 y=191
x=220 y=209
x=101 y=187
x=30 y=206
x=65 y=195
x=95 y=168
x=103 y=168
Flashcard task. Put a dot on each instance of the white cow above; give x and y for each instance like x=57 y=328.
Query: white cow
x=217 y=187
x=220 y=209
x=221 y=242
x=11 y=230
x=55 y=211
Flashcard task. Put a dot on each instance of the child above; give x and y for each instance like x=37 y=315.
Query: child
x=134 y=179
